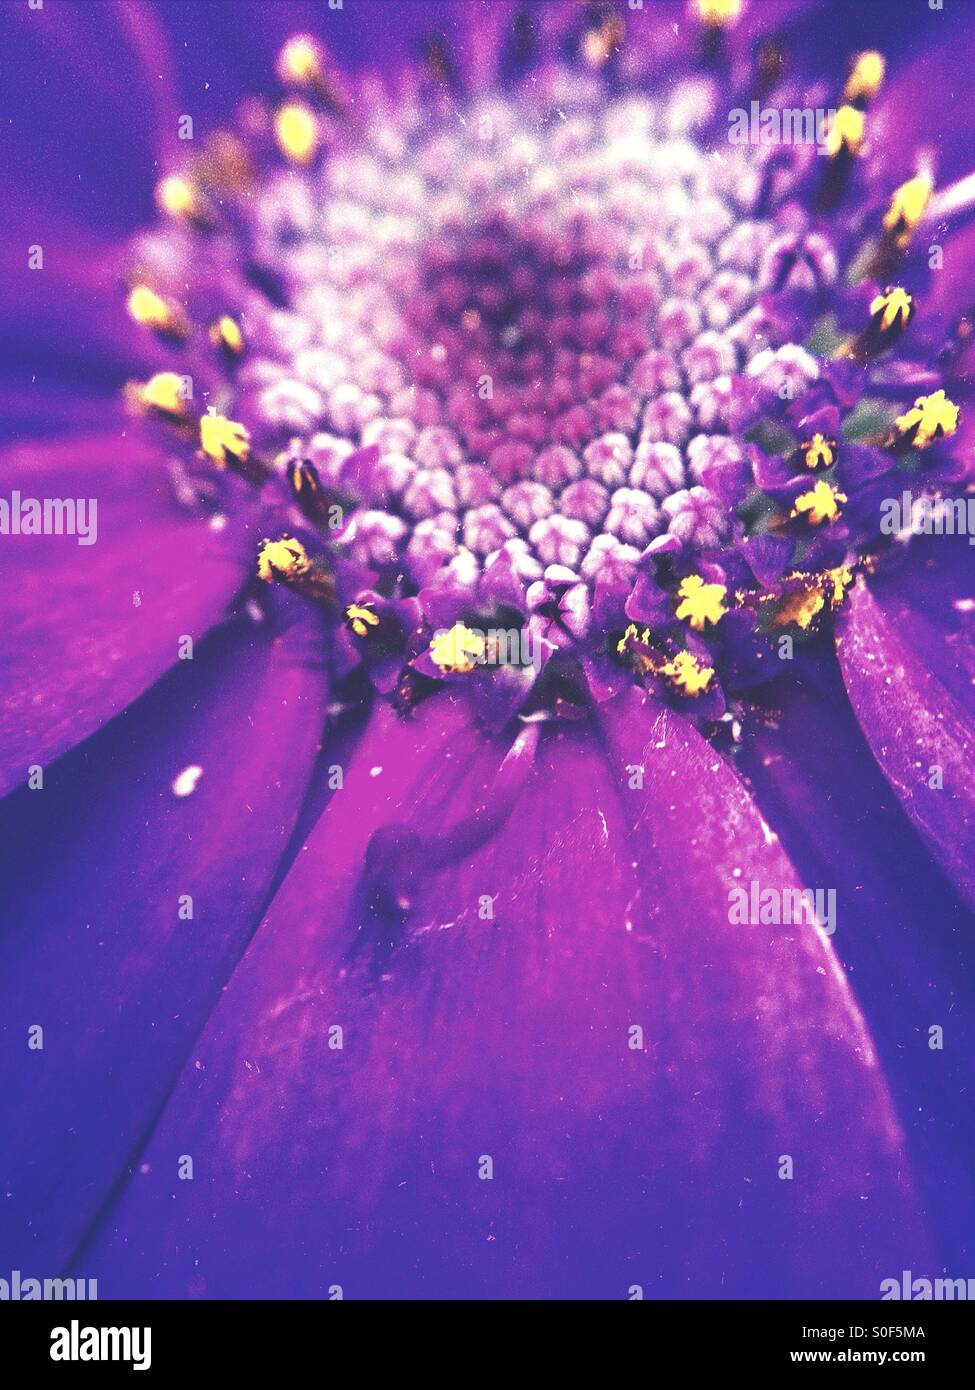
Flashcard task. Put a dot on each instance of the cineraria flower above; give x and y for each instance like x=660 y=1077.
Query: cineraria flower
x=505 y=595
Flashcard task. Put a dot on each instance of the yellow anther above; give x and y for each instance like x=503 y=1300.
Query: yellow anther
x=164 y=392
x=866 y=77
x=151 y=310
x=845 y=131
x=930 y=417
x=177 y=196
x=458 y=650
x=361 y=618
x=599 y=42
x=895 y=307
x=800 y=608
x=282 y=559
x=821 y=503
x=226 y=161
x=819 y=452
x=225 y=333
x=297 y=132
x=701 y=603
x=300 y=60
x=718 y=11
x=631 y=635
x=907 y=207
x=642 y=661
x=687 y=674
x=840 y=580
x=223 y=439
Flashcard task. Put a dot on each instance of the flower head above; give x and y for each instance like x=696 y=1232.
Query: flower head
x=502 y=475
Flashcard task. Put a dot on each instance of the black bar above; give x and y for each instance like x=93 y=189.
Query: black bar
x=277 y=1337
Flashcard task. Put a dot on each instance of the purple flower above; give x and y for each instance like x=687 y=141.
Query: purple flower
x=488 y=807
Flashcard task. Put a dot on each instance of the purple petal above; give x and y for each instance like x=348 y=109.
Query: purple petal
x=88 y=628
x=909 y=116
x=921 y=736
x=769 y=1010
x=768 y=556
x=100 y=869
x=927 y=592
x=902 y=932
x=859 y=465
x=468 y=1036
x=69 y=345
x=64 y=105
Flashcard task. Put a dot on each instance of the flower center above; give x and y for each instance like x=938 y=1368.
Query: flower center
x=538 y=355
x=531 y=319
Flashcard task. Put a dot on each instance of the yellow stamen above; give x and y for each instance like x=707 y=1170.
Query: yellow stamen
x=164 y=392
x=718 y=11
x=895 y=306
x=598 y=43
x=632 y=634
x=819 y=452
x=702 y=603
x=151 y=310
x=297 y=132
x=642 y=661
x=866 y=78
x=930 y=417
x=300 y=61
x=225 y=333
x=686 y=673
x=841 y=578
x=456 y=651
x=907 y=207
x=282 y=559
x=225 y=164
x=361 y=618
x=223 y=439
x=821 y=503
x=177 y=196
x=800 y=608
x=845 y=131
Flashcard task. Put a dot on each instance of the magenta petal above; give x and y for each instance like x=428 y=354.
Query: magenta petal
x=951 y=291
x=69 y=344
x=466 y=1037
x=759 y=1022
x=903 y=934
x=927 y=592
x=88 y=628
x=64 y=63
x=128 y=907
x=909 y=115
x=811 y=770
x=919 y=733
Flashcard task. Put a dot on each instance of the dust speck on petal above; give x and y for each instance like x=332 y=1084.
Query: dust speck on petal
x=185 y=783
